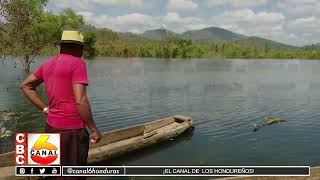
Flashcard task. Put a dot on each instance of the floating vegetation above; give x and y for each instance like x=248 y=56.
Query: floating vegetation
x=5 y=133
x=268 y=121
x=8 y=122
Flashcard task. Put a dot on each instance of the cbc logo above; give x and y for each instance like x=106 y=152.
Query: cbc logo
x=38 y=149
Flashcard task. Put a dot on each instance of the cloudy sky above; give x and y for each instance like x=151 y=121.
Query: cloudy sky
x=290 y=21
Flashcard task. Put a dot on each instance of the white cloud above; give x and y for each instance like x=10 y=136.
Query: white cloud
x=299 y=7
x=125 y=3
x=236 y=3
x=246 y=21
x=181 y=24
x=182 y=5
x=81 y=5
x=269 y=25
x=249 y=17
x=139 y=23
x=289 y=21
x=305 y=24
x=307 y=29
x=125 y=23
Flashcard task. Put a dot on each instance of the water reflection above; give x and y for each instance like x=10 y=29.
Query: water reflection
x=224 y=97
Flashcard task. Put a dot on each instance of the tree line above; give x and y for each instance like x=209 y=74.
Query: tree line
x=184 y=48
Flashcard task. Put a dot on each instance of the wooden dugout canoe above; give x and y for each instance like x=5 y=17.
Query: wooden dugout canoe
x=122 y=141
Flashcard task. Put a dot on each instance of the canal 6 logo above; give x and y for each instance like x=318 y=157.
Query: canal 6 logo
x=43 y=149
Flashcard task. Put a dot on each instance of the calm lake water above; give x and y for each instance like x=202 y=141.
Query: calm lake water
x=226 y=98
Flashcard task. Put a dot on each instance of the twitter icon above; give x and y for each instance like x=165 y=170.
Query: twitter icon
x=42 y=170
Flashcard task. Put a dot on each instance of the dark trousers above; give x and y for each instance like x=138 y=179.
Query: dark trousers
x=74 y=147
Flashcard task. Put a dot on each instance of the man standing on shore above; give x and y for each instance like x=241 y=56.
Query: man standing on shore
x=69 y=111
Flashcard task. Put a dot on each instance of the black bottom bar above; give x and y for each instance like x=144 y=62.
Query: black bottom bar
x=212 y=171
x=186 y=171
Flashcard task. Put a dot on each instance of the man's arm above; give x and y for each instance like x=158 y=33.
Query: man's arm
x=84 y=109
x=28 y=87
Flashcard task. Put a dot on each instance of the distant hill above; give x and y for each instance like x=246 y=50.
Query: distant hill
x=218 y=34
x=314 y=47
x=212 y=34
x=158 y=34
x=270 y=44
